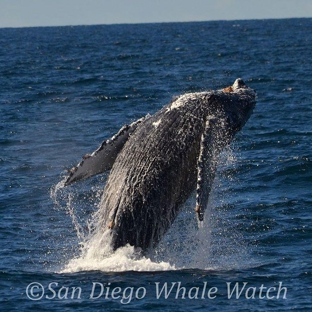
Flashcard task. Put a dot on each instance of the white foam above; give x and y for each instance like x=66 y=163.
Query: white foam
x=124 y=259
x=97 y=255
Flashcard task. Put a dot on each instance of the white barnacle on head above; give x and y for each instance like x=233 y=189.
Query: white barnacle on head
x=180 y=101
x=157 y=123
x=183 y=99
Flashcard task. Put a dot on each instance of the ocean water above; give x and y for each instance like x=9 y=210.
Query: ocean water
x=66 y=89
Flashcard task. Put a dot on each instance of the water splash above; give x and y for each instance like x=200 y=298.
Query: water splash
x=123 y=259
x=54 y=192
x=215 y=244
x=60 y=197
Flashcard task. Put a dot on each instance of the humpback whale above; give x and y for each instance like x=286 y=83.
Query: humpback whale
x=157 y=161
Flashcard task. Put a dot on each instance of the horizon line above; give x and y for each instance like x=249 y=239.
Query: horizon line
x=164 y=22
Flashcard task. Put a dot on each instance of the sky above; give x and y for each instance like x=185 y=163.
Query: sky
x=27 y=13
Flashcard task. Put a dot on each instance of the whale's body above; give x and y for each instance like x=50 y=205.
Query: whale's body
x=157 y=162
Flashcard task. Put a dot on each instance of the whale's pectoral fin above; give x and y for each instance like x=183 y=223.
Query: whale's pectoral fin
x=215 y=137
x=103 y=158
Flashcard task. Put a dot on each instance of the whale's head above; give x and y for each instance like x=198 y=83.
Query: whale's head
x=238 y=102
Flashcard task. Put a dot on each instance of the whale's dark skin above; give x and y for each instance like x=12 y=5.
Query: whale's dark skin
x=158 y=161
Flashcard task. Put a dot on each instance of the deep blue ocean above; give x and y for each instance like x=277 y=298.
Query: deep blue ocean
x=64 y=90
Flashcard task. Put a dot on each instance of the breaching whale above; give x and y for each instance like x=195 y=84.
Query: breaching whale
x=158 y=161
